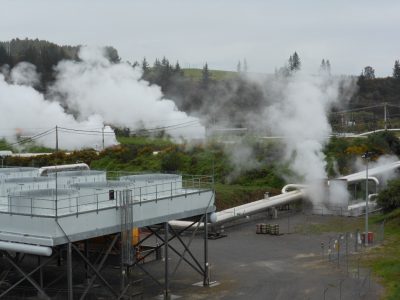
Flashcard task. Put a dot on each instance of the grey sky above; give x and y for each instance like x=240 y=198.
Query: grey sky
x=351 y=34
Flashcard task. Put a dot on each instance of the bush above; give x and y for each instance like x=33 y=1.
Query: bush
x=389 y=198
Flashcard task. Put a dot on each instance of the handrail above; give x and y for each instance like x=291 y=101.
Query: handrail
x=76 y=202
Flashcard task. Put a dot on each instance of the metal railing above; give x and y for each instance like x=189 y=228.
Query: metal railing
x=78 y=202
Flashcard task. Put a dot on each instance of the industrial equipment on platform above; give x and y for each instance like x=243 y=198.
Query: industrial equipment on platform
x=62 y=211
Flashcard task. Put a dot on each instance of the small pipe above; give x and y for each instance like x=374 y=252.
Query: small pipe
x=26 y=248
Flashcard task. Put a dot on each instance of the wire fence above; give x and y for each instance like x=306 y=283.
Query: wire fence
x=345 y=251
x=342 y=247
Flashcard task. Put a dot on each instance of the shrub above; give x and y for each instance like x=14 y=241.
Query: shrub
x=389 y=198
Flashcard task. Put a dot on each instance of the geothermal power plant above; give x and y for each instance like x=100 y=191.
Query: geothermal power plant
x=56 y=215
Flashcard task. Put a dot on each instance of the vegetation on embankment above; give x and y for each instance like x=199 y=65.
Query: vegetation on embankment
x=237 y=180
x=145 y=154
x=384 y=260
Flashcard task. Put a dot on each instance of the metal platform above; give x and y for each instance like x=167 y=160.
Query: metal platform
x=46 y=217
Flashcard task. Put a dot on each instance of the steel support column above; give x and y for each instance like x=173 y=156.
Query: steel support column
x=166 y=271
x=98 y=269
x=25 y=276
x=69 y=272
x=199 y=270
x=206 y=279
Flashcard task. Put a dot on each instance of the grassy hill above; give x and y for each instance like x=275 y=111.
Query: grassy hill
x=196 y=74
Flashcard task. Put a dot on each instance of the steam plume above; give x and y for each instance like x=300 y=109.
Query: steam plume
x=95 y=92
x=299 y=115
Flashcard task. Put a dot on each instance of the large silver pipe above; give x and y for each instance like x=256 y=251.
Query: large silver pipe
x=72 y=167
x=247 y=209
x=372 y=172
x=26 y=248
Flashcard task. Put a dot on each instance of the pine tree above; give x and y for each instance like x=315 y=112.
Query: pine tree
x=322 y=67
x=145 y=67
x=294 y=62
x=396 y=70
x=239 y=67
x=206 y=76
x=177 y=69
x=4 y=57
x=328 y=67
x=157 y=64
x=368 y=73
x=325 y=67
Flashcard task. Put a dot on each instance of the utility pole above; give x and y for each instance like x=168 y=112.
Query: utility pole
x=366 y=155
x=55 y=162
x=102 y=131
x=56 y=138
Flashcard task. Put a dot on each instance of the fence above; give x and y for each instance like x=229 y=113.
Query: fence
x=344 y=251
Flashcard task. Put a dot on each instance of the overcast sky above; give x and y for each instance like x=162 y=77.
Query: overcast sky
x=351 y=34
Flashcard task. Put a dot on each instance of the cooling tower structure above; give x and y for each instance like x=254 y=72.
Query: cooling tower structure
x=64 y=216
x=9 y=173
x=67 y=178
x=101 y=193
x=20 y=184
x=155 y=186
x=45 y=202
x=13 y=185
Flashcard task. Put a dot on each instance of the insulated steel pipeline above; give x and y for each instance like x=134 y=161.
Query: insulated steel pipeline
x=247 y=209
x=290 y=193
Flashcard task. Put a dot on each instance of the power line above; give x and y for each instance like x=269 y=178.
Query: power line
x=357 y=109
x=35 y=137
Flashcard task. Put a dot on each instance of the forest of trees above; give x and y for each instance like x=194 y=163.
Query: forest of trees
x=229 y=100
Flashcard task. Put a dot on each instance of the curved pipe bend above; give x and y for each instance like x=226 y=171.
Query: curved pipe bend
x=293 y=186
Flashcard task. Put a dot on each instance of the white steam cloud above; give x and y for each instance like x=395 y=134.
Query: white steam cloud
x=97 y=92
x=299 y=116
x=116 y=92
x=24 y=111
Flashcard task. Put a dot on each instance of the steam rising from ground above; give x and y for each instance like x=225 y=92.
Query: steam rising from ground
x=299 y=115
x=97 y=92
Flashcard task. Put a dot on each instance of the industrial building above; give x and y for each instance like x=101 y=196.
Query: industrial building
x=58 y=215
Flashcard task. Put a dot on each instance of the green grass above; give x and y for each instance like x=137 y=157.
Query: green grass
x=196 y=74
x=331 y=224
x=385 y=260
x=230 y=195
x=4 y=145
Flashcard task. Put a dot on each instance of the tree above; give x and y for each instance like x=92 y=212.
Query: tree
x=325 y=67
x=328 y=66
x=145 y=68
x=368 y=73
x=112 y=54
x=239 y=67
x=389 y=198
x=4 y=57
x=322 y=67
x=294 y=62
x=178 y=70
x=205 y=76
x=396 y=70
x=157 y=65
